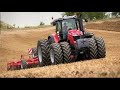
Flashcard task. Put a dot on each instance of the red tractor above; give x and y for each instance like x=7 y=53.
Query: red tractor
x=70 y=43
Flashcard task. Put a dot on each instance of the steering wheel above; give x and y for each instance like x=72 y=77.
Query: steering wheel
x=70 y=28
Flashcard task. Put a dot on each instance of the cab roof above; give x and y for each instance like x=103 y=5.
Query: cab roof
x=63 y=18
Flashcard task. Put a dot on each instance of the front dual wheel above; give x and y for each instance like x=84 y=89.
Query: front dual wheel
x=53 y=54
x=60 y=53
x=43 y=50
x=56 y=55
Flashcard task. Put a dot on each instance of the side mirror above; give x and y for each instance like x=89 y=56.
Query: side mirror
x=53 y=23
x=86 y=20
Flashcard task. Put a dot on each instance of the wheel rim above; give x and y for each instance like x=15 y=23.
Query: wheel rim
x=21 y=66
x=39 y=54
x=52 y=55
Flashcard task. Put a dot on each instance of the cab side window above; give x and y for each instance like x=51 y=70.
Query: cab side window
x=78 y=24
x=58 y=27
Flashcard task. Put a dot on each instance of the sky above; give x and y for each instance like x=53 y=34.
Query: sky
x=23 y=19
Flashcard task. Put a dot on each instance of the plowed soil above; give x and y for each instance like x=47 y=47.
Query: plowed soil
x=14 y=43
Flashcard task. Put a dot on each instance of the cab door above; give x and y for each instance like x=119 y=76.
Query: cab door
x=59 y=30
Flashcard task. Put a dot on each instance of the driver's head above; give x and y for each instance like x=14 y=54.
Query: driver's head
x=64 y=24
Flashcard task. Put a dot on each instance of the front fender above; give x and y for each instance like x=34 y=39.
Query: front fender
x=54 y=38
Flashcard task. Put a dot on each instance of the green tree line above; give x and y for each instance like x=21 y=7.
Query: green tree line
x=90 y=15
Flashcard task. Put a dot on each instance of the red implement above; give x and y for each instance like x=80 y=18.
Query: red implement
x=16 y=65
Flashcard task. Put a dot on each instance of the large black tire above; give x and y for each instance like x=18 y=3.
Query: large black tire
x=34 y=53
x=56 y=54
x=66 y=52
x=92 y=49
x=43 y=53
x=101 y=50
x=23 y=64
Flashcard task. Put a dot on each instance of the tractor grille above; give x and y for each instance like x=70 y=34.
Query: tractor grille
x=76 y=37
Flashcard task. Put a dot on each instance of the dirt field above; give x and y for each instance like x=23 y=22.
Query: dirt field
x=110 y=25
x=15 y=43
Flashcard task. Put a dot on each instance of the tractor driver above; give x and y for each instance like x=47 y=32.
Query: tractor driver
x=65 y=31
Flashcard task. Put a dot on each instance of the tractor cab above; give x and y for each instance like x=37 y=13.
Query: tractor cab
x=67 y=29
x=64 y=26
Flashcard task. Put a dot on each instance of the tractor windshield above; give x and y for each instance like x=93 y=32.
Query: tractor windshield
x=69 y=23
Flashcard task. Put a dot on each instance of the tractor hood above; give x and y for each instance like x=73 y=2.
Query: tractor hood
x=75 y=32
